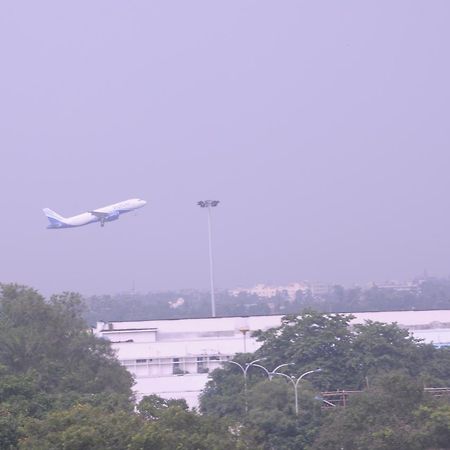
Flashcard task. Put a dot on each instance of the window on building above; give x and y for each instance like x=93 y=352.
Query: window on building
x=202 y=365
x=128 y=362
x=176 y=366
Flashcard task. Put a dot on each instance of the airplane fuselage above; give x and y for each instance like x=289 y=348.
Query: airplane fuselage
x=102 y=215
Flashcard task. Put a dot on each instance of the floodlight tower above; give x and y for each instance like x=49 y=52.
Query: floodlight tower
x=210 y=204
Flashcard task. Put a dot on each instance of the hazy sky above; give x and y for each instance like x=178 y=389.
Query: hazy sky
x=322 y=126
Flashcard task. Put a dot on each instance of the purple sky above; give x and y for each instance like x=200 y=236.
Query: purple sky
x=322 y=126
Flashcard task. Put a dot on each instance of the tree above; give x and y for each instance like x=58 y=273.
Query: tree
x=50 y=342
x=309 y=341
x=81 y=427
x=272 y=422
x=152 y=406
x=433 y=426
x=379 y=348
x=224 y=394
x=349 y=357
x=8 y=428
x=50 y=361
x=170 y=425
x=384 y=417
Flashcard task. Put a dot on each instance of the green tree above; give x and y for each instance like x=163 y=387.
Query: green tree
x=50 y=342
x=170 y=425
x=433 y=426
x=349 y=357
x=309 y=341
x=224 y=394
x=272 y=422
x=379 y=347
x=82 y=427
x=152 y=406
x=381 y=418
x=8 y=428
x=50 y=361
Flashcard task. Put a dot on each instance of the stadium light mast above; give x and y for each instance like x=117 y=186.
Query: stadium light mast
x=210 y=204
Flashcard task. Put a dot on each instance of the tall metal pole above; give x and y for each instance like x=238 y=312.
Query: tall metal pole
x=211 y=268
x=210 y=204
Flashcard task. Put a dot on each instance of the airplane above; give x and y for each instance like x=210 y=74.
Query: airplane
x=102 y=215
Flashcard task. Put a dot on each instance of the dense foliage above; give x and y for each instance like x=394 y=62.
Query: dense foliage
x=62 y=388
x=395 y=414
x=381 y=360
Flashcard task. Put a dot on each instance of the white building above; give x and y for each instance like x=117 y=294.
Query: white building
x=399 y=286
x=268 y=291
x=172 y=358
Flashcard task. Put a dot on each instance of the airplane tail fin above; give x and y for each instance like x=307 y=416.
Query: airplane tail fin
x=56 y=221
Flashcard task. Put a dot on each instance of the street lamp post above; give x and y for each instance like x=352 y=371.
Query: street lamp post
x=244 y=371
x=254 y=364
x=295 y=383
x=210 y=204
x=244 y=332
x=275 y=371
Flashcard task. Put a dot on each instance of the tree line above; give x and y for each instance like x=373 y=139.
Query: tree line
x=429 y=294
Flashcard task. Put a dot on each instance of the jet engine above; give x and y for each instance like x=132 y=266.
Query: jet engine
x=112 y=216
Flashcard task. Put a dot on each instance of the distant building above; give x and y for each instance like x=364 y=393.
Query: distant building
x=319 y=289
x=399 y=286
x=172 y=358
x=290 y=290
x=261 y=290
x=176 y=303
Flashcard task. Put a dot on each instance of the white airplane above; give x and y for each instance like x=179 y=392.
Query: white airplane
x=102 y=215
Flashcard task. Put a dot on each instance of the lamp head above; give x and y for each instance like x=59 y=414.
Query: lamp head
x=208 y=203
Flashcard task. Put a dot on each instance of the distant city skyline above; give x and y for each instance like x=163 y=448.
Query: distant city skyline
x=266 y=289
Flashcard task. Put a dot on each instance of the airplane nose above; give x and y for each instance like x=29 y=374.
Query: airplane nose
x=143 y=202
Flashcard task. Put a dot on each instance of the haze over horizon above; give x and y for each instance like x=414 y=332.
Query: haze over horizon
x=321 y=127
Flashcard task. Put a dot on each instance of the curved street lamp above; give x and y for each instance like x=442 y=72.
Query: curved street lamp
x=254 y=364
x=274 y=371
x=295 y=383
x=244 y=371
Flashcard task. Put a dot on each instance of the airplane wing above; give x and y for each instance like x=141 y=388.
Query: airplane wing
x=100 y=215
